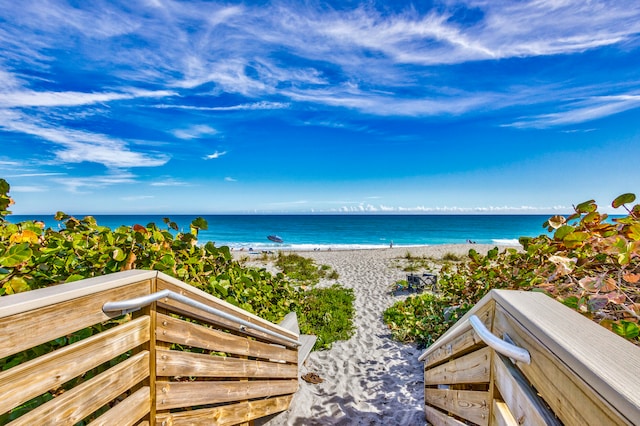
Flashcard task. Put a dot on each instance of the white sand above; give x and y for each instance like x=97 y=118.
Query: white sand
x=369 y=379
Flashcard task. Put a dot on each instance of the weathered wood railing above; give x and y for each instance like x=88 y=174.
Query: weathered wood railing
x=571 y=371
x=167 y=363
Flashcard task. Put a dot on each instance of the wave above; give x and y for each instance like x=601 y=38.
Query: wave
x=506 y=241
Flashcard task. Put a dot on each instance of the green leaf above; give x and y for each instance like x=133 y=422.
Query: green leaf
x=623 y=199
x=118 y=255
x=626 y=329
x=563 y=231
x=200 y=223
x=16 y=255
x=4 y=187
x=575 y=239
x=74 y=277
x=587 y=207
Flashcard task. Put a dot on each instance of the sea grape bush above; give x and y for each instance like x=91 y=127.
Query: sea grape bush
x=590 y=263
x=33 y=257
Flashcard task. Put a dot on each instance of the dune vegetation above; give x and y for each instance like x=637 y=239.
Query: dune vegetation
x=591 y=263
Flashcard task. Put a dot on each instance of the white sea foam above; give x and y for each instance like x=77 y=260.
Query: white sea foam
x=506 y=241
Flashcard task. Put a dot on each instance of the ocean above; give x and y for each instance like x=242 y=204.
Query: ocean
x=309 y=232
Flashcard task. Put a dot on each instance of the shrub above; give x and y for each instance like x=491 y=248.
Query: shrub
x=591 y=264
x=327 y=313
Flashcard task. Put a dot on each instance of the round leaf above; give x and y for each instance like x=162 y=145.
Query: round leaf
x=16 y=255
x=623 y=199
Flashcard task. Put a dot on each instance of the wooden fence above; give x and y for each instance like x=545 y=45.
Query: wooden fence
x=66 y=361
x=572 y=371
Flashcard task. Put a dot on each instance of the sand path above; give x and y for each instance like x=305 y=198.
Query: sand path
x=369 y=379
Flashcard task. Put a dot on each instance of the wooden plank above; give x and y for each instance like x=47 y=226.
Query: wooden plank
x=30 y=379
x=469 y=405
x=524 y=404
x=227 y=414
x=128 y=411
x=308 y=341
x=460 y=338
x=166 y=282
x=474 y=367
x=569 y=397
x=174 y=330
x=176 y=363
x=36 y=299
x=290 y=322
x=28 y=329
x=501 y=416
x=436 y=417
x=77 y=403
x=595 y=355
x=188 y=394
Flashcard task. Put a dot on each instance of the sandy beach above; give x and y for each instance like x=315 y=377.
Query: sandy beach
x=369 y=379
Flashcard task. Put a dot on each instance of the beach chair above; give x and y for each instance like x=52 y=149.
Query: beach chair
x=418 y=283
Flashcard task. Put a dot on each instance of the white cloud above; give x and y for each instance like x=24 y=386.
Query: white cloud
x=229 y=179
x=28 y=188
x=169 y=182
x=255 y=106
x=78 y=146
x=30 y=98
x=215 y=155
x=583 y=111
x=195 y=132
x=91 y=183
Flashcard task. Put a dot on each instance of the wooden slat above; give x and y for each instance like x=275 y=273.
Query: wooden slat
x=227 y=414
x=459 y=340
x=214 y=302
x=469 y=405
x=573 y=401
x=128 y=411
x=77 y=403
x=474 y=367
x=28 y=329
x=176 y=363
x=524 y=404
x=35 y=377
x=501 y=416
x=174 y=330
x=593 y=354
x=188 y=394
x=36 y=299
x=438 y=418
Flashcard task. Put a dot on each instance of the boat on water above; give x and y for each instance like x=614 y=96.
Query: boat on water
x=275 y=238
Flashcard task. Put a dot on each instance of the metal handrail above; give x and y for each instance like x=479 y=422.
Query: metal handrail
x=505 y=348
x=130 y=305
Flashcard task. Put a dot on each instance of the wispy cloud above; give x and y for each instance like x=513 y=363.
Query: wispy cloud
x=229 y=179
x=195 y=132
x=28 y=188
x=215 y=155
x=92 y=183
x=77 y=146
x=581 y=111
x=168 y=181
x=255 y=106
x=370 y=208
x=30 y=98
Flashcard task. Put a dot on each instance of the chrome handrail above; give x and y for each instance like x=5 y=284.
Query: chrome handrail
x=505 y=348
x=130 y=305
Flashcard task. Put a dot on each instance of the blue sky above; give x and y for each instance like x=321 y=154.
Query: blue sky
x=290 y=106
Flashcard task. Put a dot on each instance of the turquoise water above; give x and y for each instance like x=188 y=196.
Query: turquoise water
x=339 y=231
